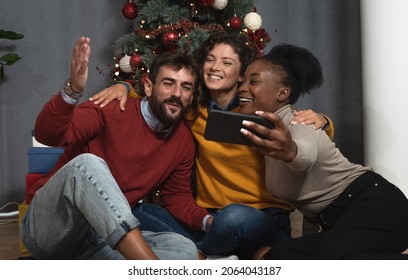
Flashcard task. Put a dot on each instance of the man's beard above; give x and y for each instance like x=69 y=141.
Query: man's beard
x=161 y=113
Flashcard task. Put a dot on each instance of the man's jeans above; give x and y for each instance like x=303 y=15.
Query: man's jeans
x=81 y=213
x=237 y=229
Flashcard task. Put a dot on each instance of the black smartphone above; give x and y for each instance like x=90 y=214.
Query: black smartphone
x=225 y=126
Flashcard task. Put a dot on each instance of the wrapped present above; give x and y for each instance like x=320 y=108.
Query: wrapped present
x=43 y=159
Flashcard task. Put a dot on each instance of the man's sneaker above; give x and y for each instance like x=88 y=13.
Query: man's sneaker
x=215 y=257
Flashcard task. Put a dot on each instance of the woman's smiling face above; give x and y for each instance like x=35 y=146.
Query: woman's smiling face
x=221 y=69
x=262 y=89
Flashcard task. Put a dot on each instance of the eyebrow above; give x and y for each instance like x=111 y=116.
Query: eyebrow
x=254 y=74
x=224 y=57
x=174 y=81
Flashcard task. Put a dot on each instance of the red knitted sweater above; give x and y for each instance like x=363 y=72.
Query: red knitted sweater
x=139 y=158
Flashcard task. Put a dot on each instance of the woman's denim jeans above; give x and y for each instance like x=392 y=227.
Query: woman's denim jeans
x=81 y=213
x=236 y=229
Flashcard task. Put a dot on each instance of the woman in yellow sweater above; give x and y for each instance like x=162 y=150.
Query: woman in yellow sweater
x=230 y=179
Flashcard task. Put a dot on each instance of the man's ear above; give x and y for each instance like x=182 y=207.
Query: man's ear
x=148 y=87
x=283 y=95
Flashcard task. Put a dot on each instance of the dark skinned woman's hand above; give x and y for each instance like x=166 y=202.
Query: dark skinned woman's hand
x=277 y=142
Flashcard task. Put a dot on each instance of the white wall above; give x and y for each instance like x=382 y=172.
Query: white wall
x=385 y=88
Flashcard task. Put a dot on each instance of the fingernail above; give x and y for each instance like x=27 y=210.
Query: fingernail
x=244 y=131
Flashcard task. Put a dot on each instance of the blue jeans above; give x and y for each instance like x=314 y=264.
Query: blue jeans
x=81 y=213
x=237 y=229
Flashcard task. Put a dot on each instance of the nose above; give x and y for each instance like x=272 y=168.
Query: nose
x=177 y=91
x=215 y=65
x=241 y=87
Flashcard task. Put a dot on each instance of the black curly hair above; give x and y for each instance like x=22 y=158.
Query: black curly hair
x=299 y=68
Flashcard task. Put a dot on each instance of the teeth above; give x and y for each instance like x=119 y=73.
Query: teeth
x=215 y=77
x=245 y=99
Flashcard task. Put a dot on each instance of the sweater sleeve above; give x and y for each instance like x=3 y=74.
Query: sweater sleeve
x=60 y=124
x=177 y=196
x=330 y=129
x=307 y=147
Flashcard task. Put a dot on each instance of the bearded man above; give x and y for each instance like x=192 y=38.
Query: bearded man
x=112 y=159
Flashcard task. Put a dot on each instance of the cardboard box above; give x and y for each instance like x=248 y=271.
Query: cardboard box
x=42 y=159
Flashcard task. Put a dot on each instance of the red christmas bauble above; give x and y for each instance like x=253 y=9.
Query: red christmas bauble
x=136 y=60
x=129 y=10
x=235 y=22
x=144 y=77
x=206 y=3
x=170 y=38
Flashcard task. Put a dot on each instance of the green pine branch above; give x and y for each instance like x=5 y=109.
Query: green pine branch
x=193 y=40
x=9 y=58
x=174 y=14
x=151 y=11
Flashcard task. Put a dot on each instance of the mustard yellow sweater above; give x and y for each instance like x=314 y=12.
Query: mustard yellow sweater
x=228 y=173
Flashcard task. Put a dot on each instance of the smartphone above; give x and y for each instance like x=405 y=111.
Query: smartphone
x=225 y=126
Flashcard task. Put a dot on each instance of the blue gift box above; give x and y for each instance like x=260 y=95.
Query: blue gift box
x=42 y=160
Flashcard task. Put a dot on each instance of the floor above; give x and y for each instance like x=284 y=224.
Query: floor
x=9 y=241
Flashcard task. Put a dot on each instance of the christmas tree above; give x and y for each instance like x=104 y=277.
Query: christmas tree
x=159 y=26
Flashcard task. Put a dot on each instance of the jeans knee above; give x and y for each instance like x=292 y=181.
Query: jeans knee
x=90 y=164
x=235 y=214
x=88 y=159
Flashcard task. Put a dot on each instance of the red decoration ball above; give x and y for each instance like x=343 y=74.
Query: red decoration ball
x=236 y=22
x=129 y=10
x=144 y=77
x=206 y=3
x=136 y=60
x=170 y=38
